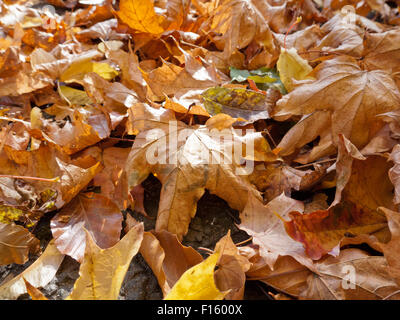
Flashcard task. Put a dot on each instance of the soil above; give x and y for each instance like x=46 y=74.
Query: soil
x=212 y=221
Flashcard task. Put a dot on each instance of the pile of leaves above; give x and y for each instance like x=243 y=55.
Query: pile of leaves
x=314 y=88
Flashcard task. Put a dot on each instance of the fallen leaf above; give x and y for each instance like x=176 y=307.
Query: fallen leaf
x=91 y=213
x=16 y=243
x=197 y=283
x=103 y=270
x=359 y=95
x=39 y=273
x=140 y=16
x=238 y=103
x=292 y=67
x=321 y=231
x=268 y=230
x=230 y=276
x=167 y=257
x=183 y=170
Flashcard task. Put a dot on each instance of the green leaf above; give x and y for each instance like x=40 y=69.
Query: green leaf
x=265 y=78
x=239 y=75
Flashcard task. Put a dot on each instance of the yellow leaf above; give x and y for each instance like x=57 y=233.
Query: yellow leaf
x=77 y=70
x=74 y=96
x=10 y=214
x=140 y=16
x=198 y=283
x=291 y=66
x=103 y=270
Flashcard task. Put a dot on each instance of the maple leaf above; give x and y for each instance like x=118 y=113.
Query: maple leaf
x=188 y=170
x=230 y=275
x=268 y=231
x=321 y=231
x=86 y=213
x=35 y=293
x=98 y=95
x=371 y=280
x=363 y=94
x=167 y=257
x=140 y=16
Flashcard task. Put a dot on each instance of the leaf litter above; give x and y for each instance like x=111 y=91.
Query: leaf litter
x=199 y=149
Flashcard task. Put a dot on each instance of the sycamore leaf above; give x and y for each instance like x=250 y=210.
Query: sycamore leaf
x=39 y=273
x=140 y=16
x=391 y=249
x=75 y=96
x=394 y=173
x=382 y=51
x=264 y=223
x=44 y=162
x=230 y=276
x=288 y=275
x=198 y=283
x=240 y=23
x=363 y=94
x=103 y=270
x=167 y=257
x=321 y=231
x=365 y=277
x=112 y=179
x=198 y=162
x=15 y=244
x=92 y=213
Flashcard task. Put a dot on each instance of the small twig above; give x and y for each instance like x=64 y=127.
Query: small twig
x=317 y=162
x=253 y=87
x=206 y=250
x=243 y=242
x=265 y=292
x=272 y=139
x=298 y=20
x=122 y=139
x=320 y=51
x=56 y=179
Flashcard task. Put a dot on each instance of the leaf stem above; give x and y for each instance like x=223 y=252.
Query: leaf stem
x=298 y=20
x=56 y=179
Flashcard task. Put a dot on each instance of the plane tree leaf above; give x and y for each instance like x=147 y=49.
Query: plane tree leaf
x=91 y=213
x=103 y=270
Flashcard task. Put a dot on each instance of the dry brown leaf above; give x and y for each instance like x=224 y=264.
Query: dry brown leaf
x=268 y=231
x=230 y=275
x=39 y=273
x=16 y=243
x=363 y=94
x=185 y=171
x=35 y=293
x=354 y=275
x=167 y=257
x=91 y=213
